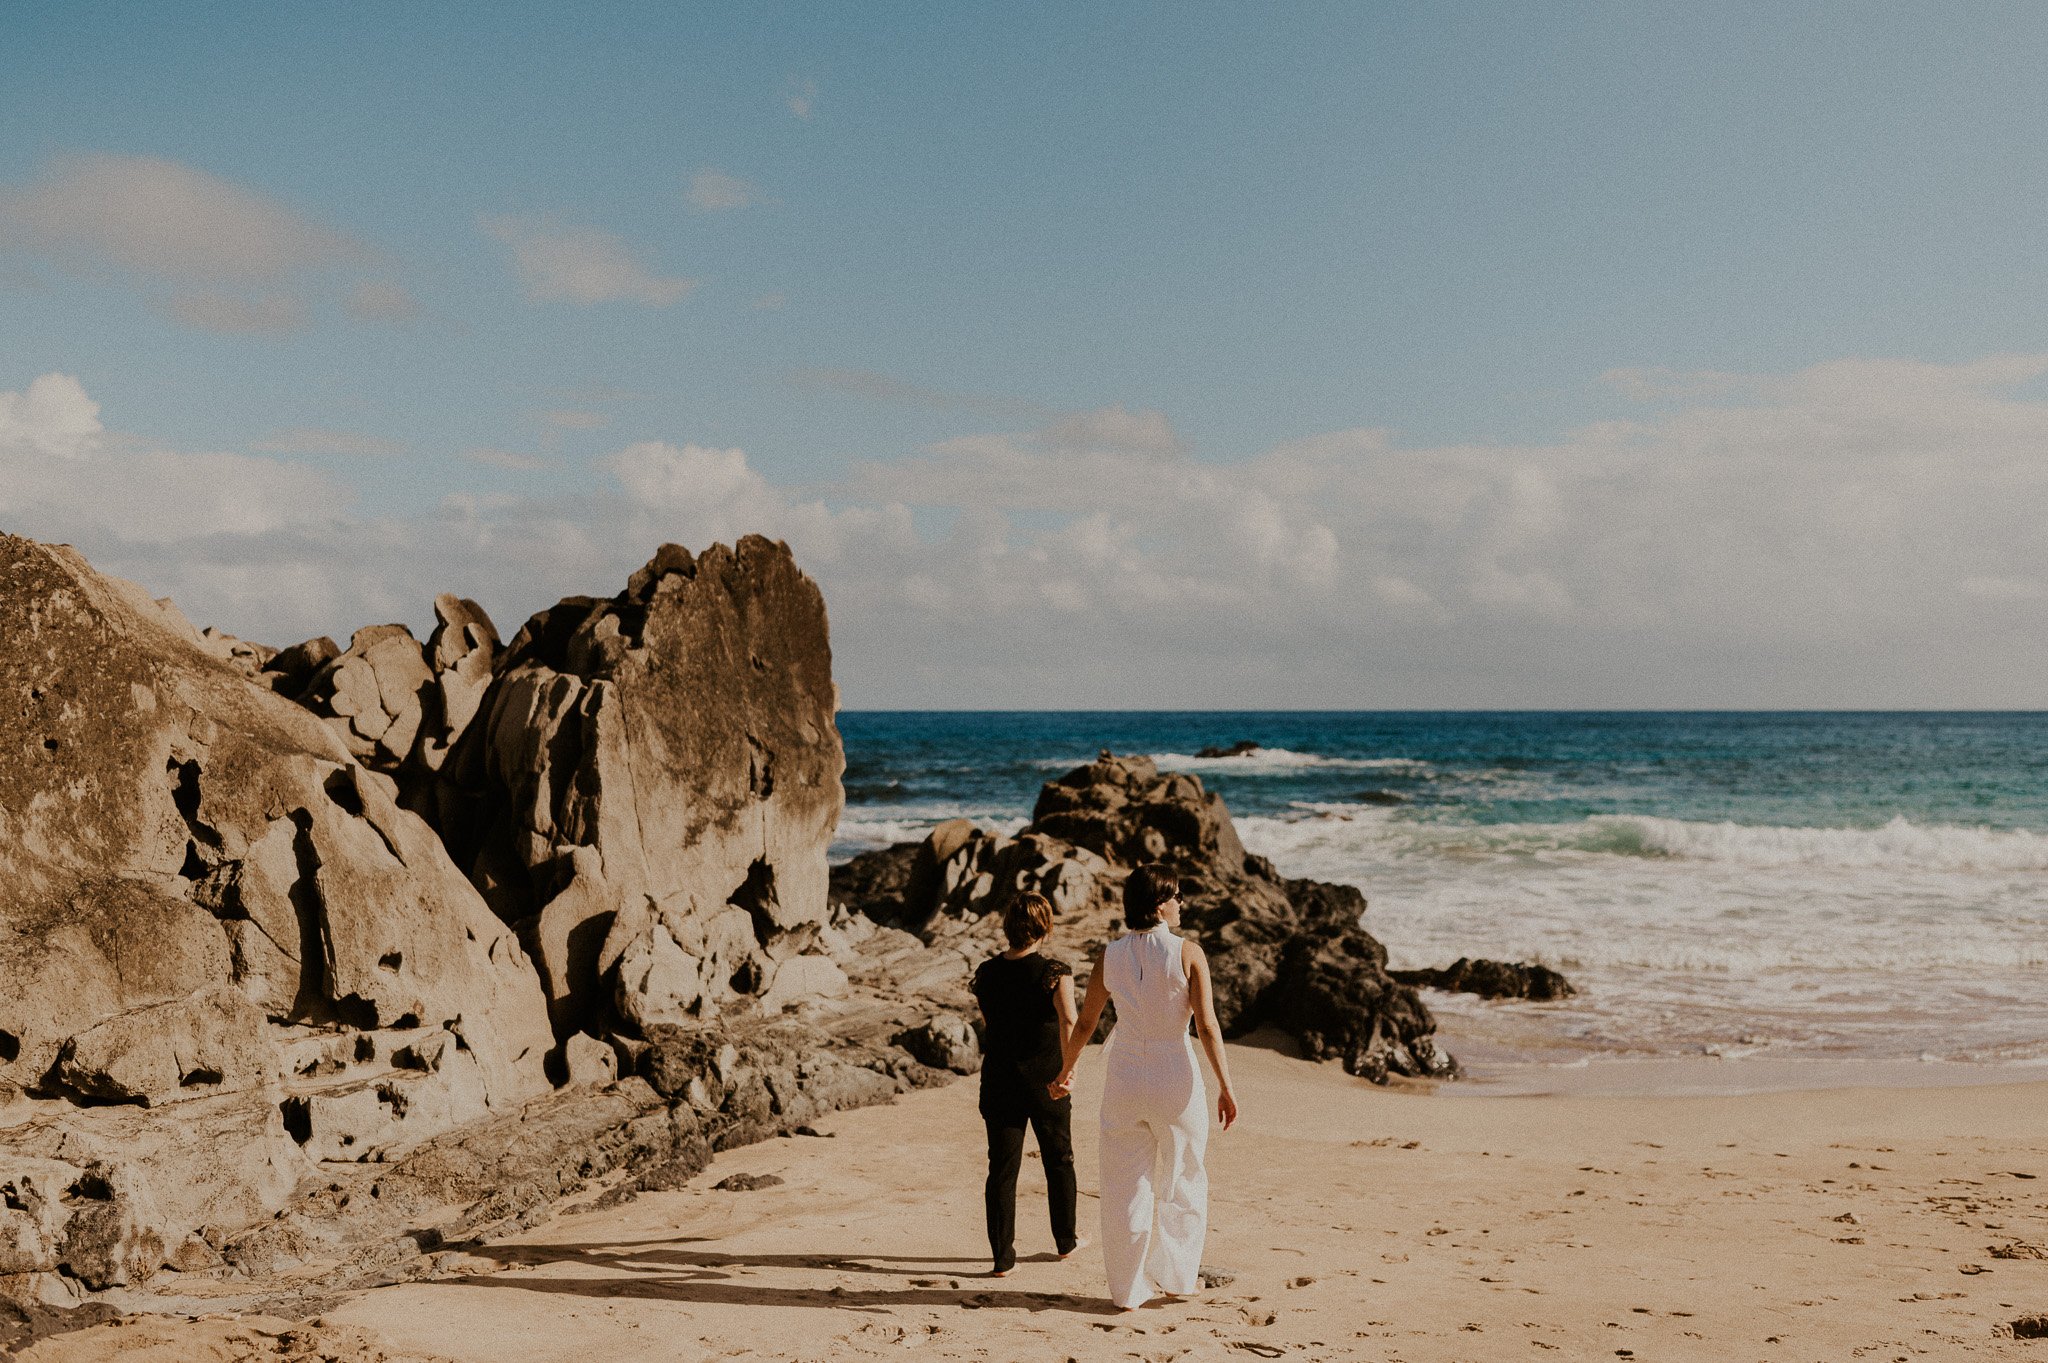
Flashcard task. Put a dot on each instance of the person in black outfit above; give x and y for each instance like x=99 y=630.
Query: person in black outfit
x=1027 y=1002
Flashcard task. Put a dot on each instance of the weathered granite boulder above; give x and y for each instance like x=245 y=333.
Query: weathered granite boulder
x=1285 y=952
x=193 y=872
x=946 y=1041
x=204 y=1043
x=649 y=788
x=398 y=705
x=1492 y=980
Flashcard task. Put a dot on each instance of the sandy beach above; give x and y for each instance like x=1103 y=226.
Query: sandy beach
x=1359 y=1222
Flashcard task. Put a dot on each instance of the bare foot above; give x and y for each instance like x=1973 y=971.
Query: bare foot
x=1078 y=1246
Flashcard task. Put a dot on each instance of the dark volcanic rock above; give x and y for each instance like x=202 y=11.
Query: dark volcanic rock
x=1242 y=748
x=1334 y=995
x=877 y=884
x=1281 y=951
x=1493 y=980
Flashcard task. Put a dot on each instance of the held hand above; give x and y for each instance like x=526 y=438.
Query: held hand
x=1226 y=1109
x=1060 y=1087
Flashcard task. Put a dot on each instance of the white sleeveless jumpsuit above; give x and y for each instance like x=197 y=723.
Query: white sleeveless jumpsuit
x=1155 y=1124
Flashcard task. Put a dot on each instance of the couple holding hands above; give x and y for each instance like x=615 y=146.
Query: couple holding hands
x=1155 y=1109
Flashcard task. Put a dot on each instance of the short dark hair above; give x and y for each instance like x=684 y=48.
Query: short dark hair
x=1148 y=887
x=1027 y=920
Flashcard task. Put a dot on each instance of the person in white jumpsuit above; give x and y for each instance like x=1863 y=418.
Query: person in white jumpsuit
x=1155 y=1110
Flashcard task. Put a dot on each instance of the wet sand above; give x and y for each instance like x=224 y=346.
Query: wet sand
x=1360 y=1223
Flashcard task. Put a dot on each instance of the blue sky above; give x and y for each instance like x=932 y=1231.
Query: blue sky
x=1019 y=317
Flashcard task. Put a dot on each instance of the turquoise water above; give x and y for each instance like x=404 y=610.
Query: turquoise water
x=1796 y=885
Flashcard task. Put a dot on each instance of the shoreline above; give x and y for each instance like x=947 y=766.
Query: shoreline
x=1706 y=1076
x=1359 y=1222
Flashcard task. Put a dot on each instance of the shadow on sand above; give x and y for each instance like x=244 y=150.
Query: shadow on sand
x=666 y=1270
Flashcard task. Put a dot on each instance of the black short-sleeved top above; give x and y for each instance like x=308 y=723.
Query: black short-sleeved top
x=1022 y=1041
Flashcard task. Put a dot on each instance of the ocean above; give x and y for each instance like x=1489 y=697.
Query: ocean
x=1798 y=886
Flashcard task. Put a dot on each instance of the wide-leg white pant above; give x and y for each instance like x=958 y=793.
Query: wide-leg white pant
x=1155 y=1190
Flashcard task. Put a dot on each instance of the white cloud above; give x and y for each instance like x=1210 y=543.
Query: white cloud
x=318 y=440
x=582 y=265
x=714 y=191
x=1860 y=533
x=204 y=251
x=53 y=417
x=132 y=493
x=1115 y=428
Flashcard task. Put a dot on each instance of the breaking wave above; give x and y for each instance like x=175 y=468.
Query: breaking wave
x=1897 y=845
x=1266 y=762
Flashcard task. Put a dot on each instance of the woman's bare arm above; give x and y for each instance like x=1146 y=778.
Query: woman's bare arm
x=1210 y=1035
x=1092 y=1004
x=1063 y=1004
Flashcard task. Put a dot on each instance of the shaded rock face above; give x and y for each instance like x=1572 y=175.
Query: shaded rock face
x=195 y=875
x=648 y=789
x=1493 y=980
x=1283 y=952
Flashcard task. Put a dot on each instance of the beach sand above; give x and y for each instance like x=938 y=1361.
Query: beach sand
x=1359 y=1222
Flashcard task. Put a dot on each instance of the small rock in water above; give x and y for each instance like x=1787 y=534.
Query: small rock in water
x=747 y=1183
x=1244 y=747
x=1492 y=980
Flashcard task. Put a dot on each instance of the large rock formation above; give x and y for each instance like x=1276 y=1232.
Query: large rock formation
x=649 y=788
x=1290 y=953
x=215 y=920
x=255 y=1020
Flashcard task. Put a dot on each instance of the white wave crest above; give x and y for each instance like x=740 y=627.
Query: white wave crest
x=1900 y=844
x=1374 y=833
x=863 y=828
x=1266 y=762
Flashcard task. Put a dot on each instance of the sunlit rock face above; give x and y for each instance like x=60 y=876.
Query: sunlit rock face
x=198 y=880
x=650 y=787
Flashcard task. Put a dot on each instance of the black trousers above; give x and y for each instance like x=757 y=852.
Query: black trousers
x=1006 y=1110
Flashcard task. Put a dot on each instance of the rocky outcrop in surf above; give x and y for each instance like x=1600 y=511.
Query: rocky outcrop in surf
x=1287 y=953
x=1492 y=980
